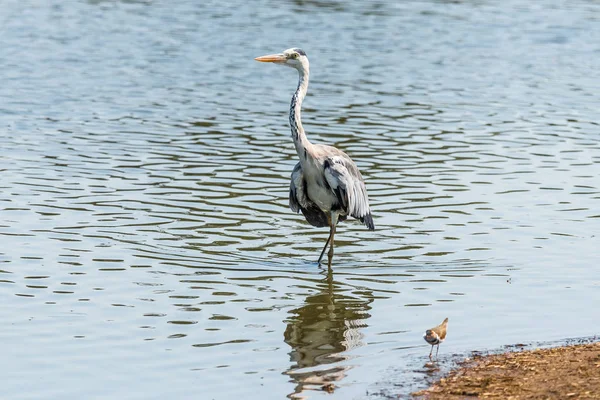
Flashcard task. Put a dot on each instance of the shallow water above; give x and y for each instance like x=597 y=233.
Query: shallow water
x=147 y=247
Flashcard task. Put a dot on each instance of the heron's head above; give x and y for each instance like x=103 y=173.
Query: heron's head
x=294 y=57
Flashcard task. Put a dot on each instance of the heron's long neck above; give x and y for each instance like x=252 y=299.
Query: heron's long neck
x=300 y=140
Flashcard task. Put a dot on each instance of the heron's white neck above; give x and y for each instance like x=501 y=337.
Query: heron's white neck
x=300 y=140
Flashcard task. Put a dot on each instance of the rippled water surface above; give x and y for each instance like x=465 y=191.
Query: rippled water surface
x=147 y=250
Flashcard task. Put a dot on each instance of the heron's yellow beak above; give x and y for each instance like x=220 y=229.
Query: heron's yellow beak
x=272 y=58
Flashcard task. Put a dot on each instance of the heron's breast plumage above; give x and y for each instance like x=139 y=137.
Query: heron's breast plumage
x=318 y=189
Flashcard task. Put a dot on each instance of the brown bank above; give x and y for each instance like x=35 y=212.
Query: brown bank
x=569 y=372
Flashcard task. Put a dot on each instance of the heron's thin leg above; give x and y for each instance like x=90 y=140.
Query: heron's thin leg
x=333 y=220
x=325 y=247
x=330 y=255
x=328 y=240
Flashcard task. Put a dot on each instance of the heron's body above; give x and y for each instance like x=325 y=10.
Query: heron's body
x=436 y=335
x=326 y=185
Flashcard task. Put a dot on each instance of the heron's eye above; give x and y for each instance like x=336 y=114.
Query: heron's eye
x=294 y=55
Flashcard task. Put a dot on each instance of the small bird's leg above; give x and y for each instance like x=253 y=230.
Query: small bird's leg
x=431 y=351
x=438 y=349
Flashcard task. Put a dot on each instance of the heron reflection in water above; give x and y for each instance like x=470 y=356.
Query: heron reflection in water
x=321 y=331
x=326 y=184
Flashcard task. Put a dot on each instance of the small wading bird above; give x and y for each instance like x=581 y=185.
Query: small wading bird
x=435 y=336
x=326 y=184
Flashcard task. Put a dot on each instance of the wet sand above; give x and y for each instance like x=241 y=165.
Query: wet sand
x=567 y=372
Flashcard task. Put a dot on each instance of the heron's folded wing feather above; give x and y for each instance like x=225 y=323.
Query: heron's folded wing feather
x=345 y=180
x=297 y=195
x=299 y=200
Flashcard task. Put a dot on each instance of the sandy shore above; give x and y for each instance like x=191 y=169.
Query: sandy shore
x=568 y=372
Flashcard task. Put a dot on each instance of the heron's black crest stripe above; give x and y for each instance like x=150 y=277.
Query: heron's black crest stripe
x=300 y=51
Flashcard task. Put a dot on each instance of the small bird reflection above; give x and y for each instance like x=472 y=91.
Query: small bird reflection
x=435 y=336
x=431 y=368
x=320 y=331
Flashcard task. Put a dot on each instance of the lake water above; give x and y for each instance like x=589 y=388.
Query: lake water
x=147 y=249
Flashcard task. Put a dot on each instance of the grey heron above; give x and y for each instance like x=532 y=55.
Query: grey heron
x=326 y=185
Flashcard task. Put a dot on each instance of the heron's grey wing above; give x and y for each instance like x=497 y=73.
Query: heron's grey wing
x=297 y=192
x=347 y=183
x=299 y=200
